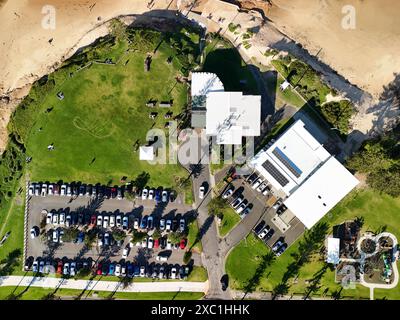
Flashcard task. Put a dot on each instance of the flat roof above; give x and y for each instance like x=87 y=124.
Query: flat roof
x=291 y=159
x=146 y=153
x=321 y=192
x=232 y=115
x=205 y=82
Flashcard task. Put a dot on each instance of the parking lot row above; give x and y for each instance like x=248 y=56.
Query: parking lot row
x=123 y=268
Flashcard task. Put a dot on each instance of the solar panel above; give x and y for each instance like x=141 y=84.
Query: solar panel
x=287 y=162
x=274 y=172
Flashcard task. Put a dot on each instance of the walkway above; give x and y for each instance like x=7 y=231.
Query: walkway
x=53 y=283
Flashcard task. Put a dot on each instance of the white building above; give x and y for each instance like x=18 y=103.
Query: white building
x=304 y=174
x=146 y=153
x=229 y=116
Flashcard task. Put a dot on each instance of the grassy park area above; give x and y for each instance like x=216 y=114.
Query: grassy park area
x=229 y=221
x=249 y=264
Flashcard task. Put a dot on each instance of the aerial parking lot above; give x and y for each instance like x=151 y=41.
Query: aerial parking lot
x=108 y=231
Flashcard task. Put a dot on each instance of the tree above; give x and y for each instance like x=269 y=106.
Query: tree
x=175 y=237
x=216 y=205
x=90 y=238
x=70 y=234
x=387 y=181
x=118 y=234
x=338 y=114
x=156 y=234
x=372 y=158
x=138 y=236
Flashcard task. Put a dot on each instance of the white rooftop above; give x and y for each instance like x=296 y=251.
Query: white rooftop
x=205 y=82
x=146 y=153
x=333 y=255
x=296 y=147
x=232 y=115
x=321 y=192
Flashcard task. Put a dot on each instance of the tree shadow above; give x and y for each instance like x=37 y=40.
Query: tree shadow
x=202 y=231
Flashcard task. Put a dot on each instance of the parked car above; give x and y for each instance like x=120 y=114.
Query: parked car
x=49 y=218
x=150 y=243
x=118 y=221
x=99 y=269
x=111 y=269
x=60 y=238
x=50 y=190
x=182 y=225
x=68 y=221
x=169 y=244
x=162 y=224
x=59 y=267
x=35 y=266
x=34 y=232
x=276 y=245
x=158 y=195
x=93 y=220
x=69 y=191
x=150 y=224
x=261 y=187
x=281 y=249
x=264 y=232
x=94 y=191
x=269 y=235
x=145 y=194
x=117 y=270
x=99 y=220
x=277 y=204
x=237 y=202
x=31 y=190
x=88 y=190
x=119 y=193
x=72 y=269
x=55 y=218
x=107 y=239
x=125 y=223
x=142 y=271
x=161 y=273
x=259 y=227
x=173 y=273
x=168 y=225
x=130 y=272
x=66 y=269
x=106 y=218
x=123 y=270
x=81 y=237
x=164 y=196
x=163 y=243
x=182 y=244
x=28 y=263
x=224 y=282
x=143 y=223
x=55 y=235
x=125 y=253
x=245 y=212
x=136 y=224
x=41 y=266
x=282 y=208
x=156 y=243
x=256 y=184
x=63 y=190
x=201 y=192
x=37 y=189
x=112 y=221
x=113 y=192
x=253 y=177
x=43 y=192
x=82 y=190
x=62 y=218
x=266 y=191
x=144 y=243
x=228 y=192
x=242 y=206
x=151 y=194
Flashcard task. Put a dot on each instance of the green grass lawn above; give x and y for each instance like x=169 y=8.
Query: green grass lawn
x=102 y=116
x=33 y=293
x=229 y=221
x=198 y=274
x=380 y=213
x=193 y=241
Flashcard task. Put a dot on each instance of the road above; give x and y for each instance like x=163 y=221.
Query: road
x=113 y=286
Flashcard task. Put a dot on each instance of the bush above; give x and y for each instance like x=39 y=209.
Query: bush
x=338 y=114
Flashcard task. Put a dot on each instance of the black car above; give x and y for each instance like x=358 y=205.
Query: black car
x=163 y=243
x=82 y=190
x=172 y=196
x=259 y=227
x=100 y=191
x=80 y=218
x=224 y=282
x=75 y=190
x=28 y=263
x=174 y=225
x=252 y=178
x=107 y=192
x=105 y=268
x=281 y=209
x=74 y=219
x=269 y=235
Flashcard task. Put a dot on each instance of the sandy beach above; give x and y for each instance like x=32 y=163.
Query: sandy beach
x=367 y=56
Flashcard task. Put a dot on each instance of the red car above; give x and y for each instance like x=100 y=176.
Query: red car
x=99 y=269
x=182 y=244
x=156 y=243
x=93 y=220
x=59 y=267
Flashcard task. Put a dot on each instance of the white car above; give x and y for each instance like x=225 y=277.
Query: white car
x=142 y=272
x=169 y=244
x=117 y=271
x=266 y=191
x=173 y=273
x=72 y=269
x=61 y=232
x=55 y=236
x=136 y=224
x=112 y=221
x=125 y=253
x=68 y=220
x=201 y=192
x=144 y=243
x=63 y=190
x=150 y=243
x=277 y=204
x=44 y=190
x=242 y=206
x=168 y=225
x=49 y=218
x=151 y=194
x=162 y=258
x=31 y=190
x=37 y=190
x=34 y=232
x=256 y=184
x=261 y=187
x=118 y=221
x=145 y=193
x=50 y=190
x=62 y=218
x=55 y=218
x=263 y=233
x=69 y=191
x=228 y=193
x=99 y=220
x=162 y=224
x=100 y=241
x=105 y=221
